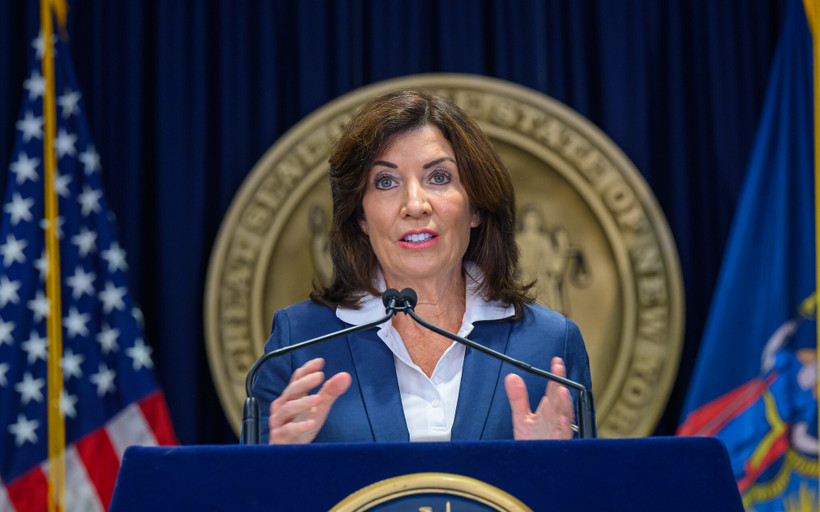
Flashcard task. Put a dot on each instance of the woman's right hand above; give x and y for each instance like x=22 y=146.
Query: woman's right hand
x=296 y=416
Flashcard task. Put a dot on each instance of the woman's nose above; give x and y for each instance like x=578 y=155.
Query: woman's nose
x=416 y=202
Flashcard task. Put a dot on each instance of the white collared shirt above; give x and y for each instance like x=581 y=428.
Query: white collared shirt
x=429 y=403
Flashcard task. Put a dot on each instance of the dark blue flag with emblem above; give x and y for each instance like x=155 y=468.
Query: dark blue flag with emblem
x=109 y=398
x=755 y=382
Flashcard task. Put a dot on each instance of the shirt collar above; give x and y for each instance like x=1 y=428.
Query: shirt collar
x=477 y=308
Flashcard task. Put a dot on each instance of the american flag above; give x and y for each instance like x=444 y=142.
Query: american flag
x=110 y=399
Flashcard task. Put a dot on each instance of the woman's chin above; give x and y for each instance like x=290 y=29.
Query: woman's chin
x=427 y=274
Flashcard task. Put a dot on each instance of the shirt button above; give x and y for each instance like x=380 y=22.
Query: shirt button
x=435 y=403
x=436 y=380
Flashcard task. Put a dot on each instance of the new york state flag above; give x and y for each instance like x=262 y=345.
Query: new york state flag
x=755 y=381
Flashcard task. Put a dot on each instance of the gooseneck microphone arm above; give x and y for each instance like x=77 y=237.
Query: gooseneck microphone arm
x=585 y=409
x=250 y=411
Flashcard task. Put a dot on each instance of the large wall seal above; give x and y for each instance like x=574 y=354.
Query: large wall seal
x=590 y=231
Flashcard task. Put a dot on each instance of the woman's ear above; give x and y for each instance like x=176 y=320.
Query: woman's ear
x=363 y=225
x=476 y=218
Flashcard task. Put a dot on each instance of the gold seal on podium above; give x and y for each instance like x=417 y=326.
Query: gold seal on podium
x=429 y=492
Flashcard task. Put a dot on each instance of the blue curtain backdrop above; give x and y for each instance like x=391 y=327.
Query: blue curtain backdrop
x=184 y=97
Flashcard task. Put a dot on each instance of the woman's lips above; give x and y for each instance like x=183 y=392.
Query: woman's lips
x=419 y=239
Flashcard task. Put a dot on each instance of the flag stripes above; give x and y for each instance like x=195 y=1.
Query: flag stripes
x=93 y=461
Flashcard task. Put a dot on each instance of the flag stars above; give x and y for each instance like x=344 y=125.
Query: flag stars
x=8 y=291
x=41 y=264
x=111 y=297
x=19 y=208
x=39 y=305
x=24 y=430
x=71 y=364
x=104 y=380
x=44 y=224
x=115 y=256
x=68 y=404
x=31 y=126
x=6 y=328
x=61 y=182
x=81 y=282
x=35 y=348
x=35 y=85
x=107 y=338
x=64 y=143
x=137 y=314
x=89 y=200
x=4 y=369
x=12 y=250
x=69 y=102
x=39 y=44
x=141 y=355
x=75 y=323
x=25 y=168
x=30 y=389
x=85 y=240
x=90 y=160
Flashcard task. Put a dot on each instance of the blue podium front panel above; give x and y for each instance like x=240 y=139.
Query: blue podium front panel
x=667 y=474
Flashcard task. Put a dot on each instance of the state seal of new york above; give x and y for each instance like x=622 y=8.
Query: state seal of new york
x=590 y=231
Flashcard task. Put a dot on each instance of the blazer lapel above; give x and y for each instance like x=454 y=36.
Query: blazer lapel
x=376 y=375
x=479 y=380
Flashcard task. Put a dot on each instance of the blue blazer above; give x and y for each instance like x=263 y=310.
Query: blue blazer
x=371 y=409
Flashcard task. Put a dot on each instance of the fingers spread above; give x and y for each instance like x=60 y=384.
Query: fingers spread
x=303 y=379
x=335 y=386
x=557 y=367
x=312 y=366
x=293 y=433
x=554 y=415
x=517 y=395
x=284 y=411
x=297 y=416
x=557 y=396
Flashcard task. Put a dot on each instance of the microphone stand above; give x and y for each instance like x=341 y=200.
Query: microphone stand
x=250 y=411
x=585 y=409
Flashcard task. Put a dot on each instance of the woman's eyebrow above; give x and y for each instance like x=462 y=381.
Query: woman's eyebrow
x=438 y=161
x=386 y=164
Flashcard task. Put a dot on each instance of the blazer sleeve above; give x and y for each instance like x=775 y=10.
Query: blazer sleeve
x=575 y=357
x=576 y=361
x=274 y=376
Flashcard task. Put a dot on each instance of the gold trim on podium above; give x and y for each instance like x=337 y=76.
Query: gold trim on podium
x=459 y=486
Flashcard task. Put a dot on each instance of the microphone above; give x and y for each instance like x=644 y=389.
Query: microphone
x=585 y=409
x=250 y=411
x=409 y=299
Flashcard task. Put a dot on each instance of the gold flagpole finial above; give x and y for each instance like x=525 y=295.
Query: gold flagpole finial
x=60 y=10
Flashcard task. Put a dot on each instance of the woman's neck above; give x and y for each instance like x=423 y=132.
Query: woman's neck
x=441 y=302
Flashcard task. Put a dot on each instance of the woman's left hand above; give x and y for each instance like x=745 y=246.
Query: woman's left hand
x=553 y=417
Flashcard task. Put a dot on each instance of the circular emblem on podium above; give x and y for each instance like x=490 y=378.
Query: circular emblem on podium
x=590 y=232
x=429 y=492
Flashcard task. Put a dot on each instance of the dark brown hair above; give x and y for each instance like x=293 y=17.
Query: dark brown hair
x=487 y=182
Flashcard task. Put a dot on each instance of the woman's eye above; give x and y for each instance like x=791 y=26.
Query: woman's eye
x=384 y=182
x=440 y=178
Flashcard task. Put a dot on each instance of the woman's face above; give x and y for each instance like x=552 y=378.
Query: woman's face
x=416 y=210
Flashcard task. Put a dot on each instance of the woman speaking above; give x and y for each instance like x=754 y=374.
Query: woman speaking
x=421 y=200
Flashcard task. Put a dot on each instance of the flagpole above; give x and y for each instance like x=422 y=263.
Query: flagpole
x=56 y=420
x=812 y=8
